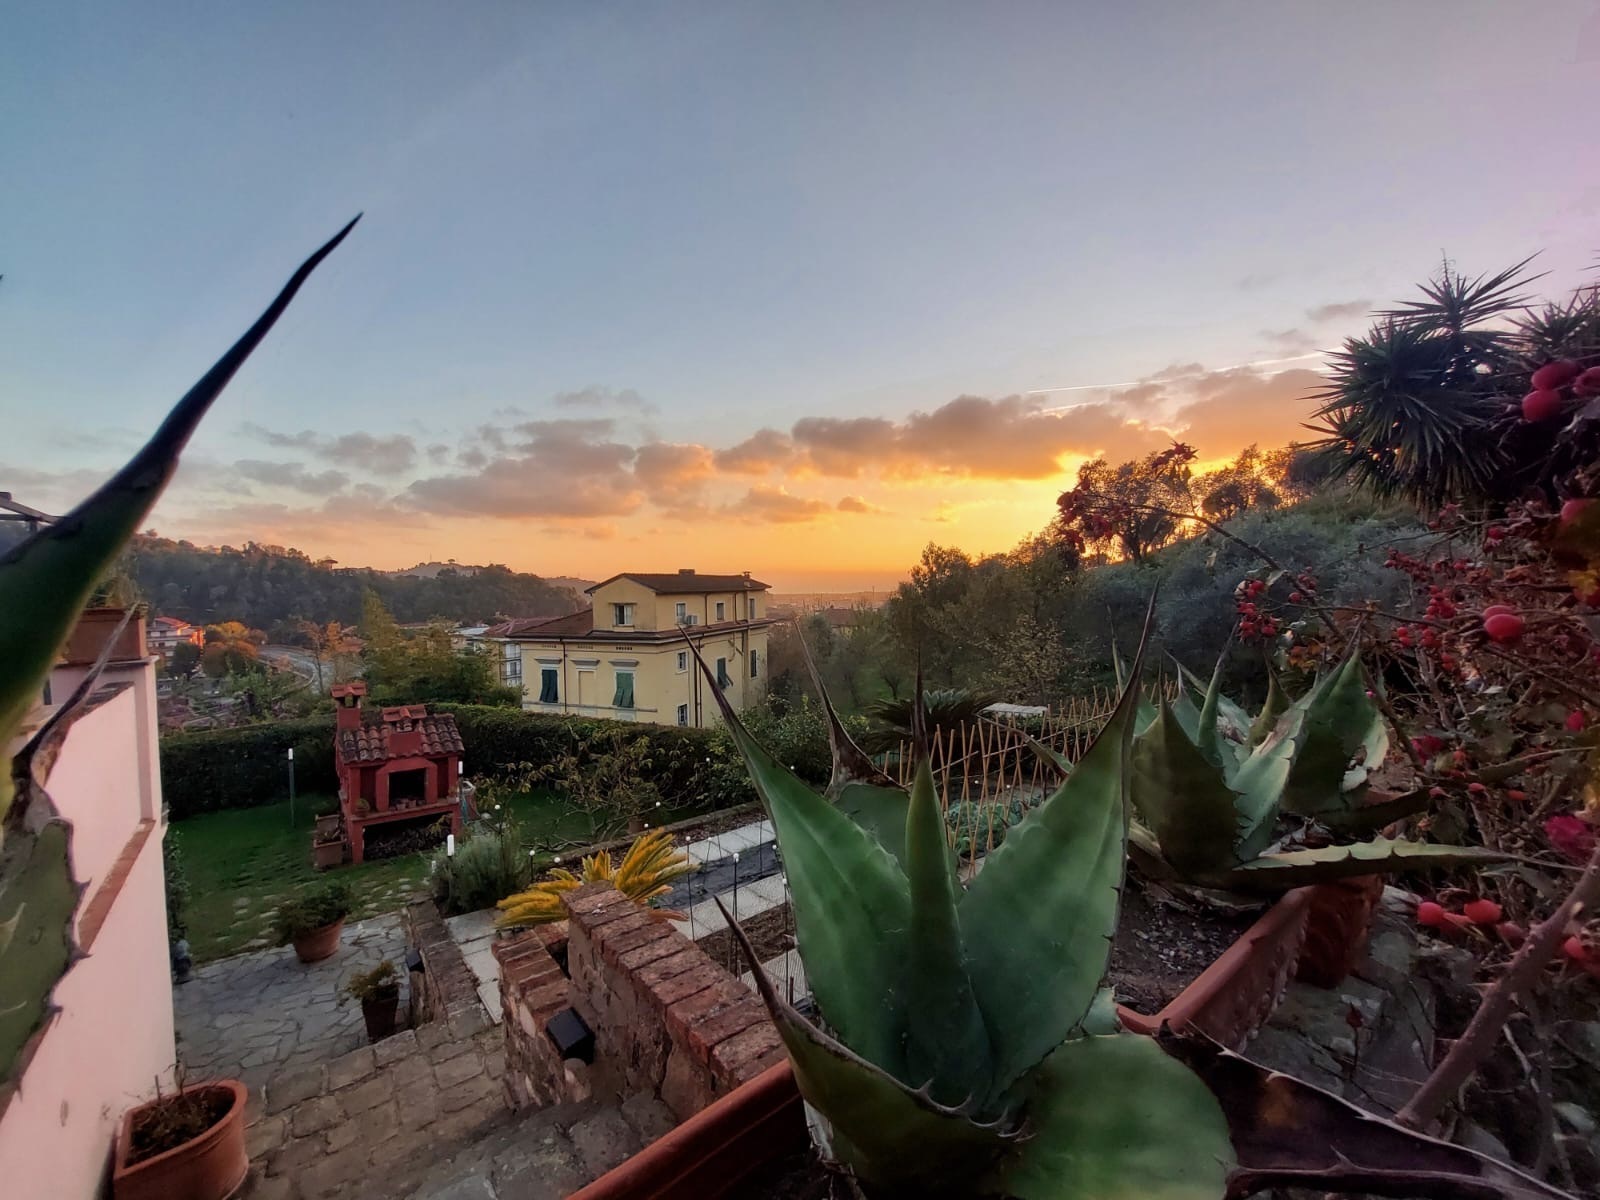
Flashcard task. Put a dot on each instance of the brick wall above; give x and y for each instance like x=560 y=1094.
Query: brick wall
x=533 y=988
x=667 y=1020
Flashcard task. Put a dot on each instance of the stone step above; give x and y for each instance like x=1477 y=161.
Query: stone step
x=746 y=901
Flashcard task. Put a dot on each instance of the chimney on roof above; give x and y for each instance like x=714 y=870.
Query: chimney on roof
x=685 y=570
x=348 y=697
x=747 y=574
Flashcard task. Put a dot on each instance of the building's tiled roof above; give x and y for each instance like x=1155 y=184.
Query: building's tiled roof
x=370 y=742
x=579 y=623
x=682 y=583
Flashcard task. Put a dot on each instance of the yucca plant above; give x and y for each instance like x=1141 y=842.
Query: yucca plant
x=645 y=873
x=968 y=1044
x=1210 y=783
x=44 y=584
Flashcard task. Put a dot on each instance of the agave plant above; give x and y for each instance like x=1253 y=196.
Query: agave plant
x=946 y=709
x=1209 y=784
x=645 y=873
x=44 y=584
x=968 y=1045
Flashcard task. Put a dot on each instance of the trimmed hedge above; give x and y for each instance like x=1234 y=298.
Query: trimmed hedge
x=244 y=767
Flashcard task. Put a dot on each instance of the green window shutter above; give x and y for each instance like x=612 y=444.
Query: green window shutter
x=547 y=686
x=624 y=695
x=722 y=673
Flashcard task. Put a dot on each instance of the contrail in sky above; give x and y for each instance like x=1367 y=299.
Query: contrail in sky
x=1097 y=387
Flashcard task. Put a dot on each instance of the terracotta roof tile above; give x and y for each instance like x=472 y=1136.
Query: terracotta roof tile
x=580 y=622
x=370 y=742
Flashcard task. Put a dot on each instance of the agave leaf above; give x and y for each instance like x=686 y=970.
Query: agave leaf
x=946 y=1043
x=1052 y=759
x=1376 y=815
x=1182 y=798
x=1228 y=711
x=1338 y=722
x=1267 y=719
x=45 y=581
x=1208 y=738
x=1114 y=1118
x=1187 y=714
x=851 y=902
x=880 y=811
x=1038 y=919
x=1289 y=1134
x=880 y=1128
x=1101 y=1020
x=1296 y=868
x=37 y=899
x=1258 y=788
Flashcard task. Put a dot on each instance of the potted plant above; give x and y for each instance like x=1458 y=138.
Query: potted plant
x=966 y=1046
x=185 y=1146
x=313 y=922
x=378 y=990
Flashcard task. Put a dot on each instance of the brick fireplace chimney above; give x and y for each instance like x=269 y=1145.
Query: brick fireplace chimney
x=347 y=696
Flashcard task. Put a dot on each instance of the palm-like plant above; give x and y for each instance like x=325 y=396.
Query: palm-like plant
x=644 y=873
x=945 y=709
x=1416 y=408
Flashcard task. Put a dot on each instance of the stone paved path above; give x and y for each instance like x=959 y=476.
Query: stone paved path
x=475 y=933
x=259 y=1015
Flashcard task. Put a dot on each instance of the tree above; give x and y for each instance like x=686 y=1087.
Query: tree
x=330 y=644
x=425 y=666
x=231 y=648
x=602 y=772
x=1127 y=510
x=185 y=661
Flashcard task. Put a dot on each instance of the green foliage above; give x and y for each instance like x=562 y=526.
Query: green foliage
x=177 y=883
x=489 y=864
x=958 y=1018
x=425 y=667
x=973 y=823
x=311 y=911
x=372 y=985
x=1210 y=792
x=243 y=767
x=946 y=710
x=274 y=588
x=1426 y=405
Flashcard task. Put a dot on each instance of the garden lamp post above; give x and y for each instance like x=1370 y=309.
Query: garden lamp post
x=291 y=787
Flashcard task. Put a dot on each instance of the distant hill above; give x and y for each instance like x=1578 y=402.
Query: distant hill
x=267 y=586
x=432 y=570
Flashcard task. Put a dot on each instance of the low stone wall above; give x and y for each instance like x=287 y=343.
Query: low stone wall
x=445 y=989
x=667 y=1019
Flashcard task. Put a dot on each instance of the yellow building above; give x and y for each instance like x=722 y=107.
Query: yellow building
x=625 y=657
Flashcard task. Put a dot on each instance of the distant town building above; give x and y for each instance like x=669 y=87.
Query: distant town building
x=165 y=634
x=627 y=656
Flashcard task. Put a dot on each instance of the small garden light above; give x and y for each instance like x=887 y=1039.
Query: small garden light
x=450 y=845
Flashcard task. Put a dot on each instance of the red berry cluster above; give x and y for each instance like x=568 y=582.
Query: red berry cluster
x=1253 y=623
x=1546 y=402
x=1480 y=914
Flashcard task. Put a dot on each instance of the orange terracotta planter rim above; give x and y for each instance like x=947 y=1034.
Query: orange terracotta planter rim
x=319 y=943
x=239 y=1095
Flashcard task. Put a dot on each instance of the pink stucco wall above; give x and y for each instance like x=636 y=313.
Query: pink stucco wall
x=113 y=1039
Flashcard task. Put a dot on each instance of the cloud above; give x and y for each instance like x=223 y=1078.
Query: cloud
x=855 y=504
x=763 y=451
x=776 y=505
x=1290 y=341
x=1015 y=437
x=438 y=454
x=1235 y=409
x=559 y=468
x=1339 y=312
x=674 y=473
x=292 y=475
x=385 y=454
x=602 y=397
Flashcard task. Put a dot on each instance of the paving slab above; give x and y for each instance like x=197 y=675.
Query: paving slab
x=260 y=1015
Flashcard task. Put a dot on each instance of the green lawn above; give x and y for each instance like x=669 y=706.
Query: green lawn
x=243 y=862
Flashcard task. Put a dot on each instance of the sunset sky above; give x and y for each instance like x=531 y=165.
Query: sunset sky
x=792 y=289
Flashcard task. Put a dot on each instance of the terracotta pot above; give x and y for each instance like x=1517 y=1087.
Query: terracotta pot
x=1234 y=996
x=319 y=943
x=716 y=1149
x=1338 y=924
x=209 y=1167
x=378 y=1012
x=94 y=630
x=327 y=855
